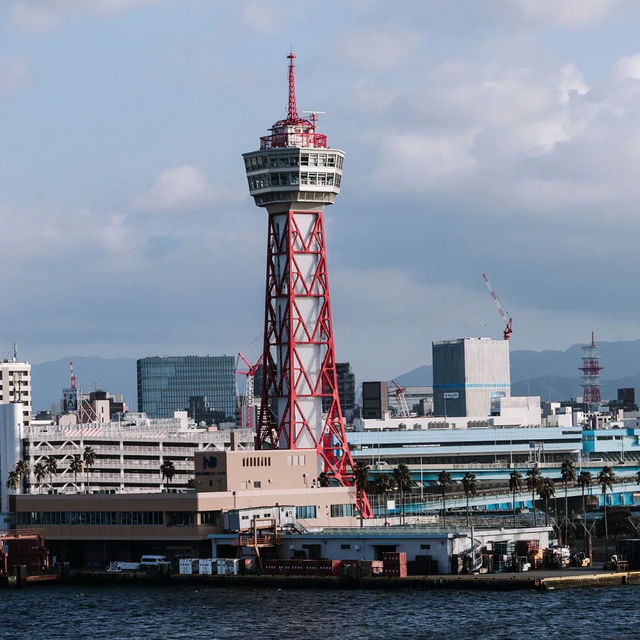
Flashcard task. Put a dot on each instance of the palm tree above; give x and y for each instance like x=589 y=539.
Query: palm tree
x=89 y=459
x=76 y=467
x=39 y=471
x=402 y=477
x=324 y=480
x=515 y=486
x=606 y=478
x=546 y=490
x=13 y=480
x=384 y=486
x=533 y=482
x=22 y=469
x=584 y=480
x=168 y=470
x=51 y=465
x=469 y=486
x=361 y=477
x=568 y=473
x=444 y=480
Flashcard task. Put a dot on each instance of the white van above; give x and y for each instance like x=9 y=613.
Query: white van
x=153 y=561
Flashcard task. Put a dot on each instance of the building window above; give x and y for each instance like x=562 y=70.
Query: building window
x=306 y=512
x=342 y=510
x=345 y=546
x=425 y=546
x=209 y=517
x=257 y=484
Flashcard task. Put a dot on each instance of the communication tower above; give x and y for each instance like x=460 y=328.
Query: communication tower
x=293 y=176
x=591 y=375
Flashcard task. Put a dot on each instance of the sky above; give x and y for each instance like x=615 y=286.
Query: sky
x=497 y=136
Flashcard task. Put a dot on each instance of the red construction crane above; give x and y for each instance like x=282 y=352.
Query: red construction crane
x=505 y=315
x=250 y=372
x=401 y=399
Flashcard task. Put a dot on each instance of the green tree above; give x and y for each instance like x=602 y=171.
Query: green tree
x=469 y=485
x=383 y=486
x=22 y=469
x=584 y=480
x=568 y=473
x=606 y=478
x=76 y=467
x=89 y=459
x=402 y=478
x=444 y=480
x=324 y=480
x=13 y=480
x=546 y=490
x=51 y=464
x=168 y=471
x=361 y=476
x=39 y=471
x=533 y=482
x=515 y=486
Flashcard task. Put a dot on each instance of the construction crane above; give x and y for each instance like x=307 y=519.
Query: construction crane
x=504 y=314
x=247 y=421
x=401 y=399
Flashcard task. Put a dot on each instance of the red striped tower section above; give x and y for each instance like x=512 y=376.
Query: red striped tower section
x=293 y=176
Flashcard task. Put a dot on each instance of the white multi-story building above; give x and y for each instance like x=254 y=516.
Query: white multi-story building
x=15 y=385
x=129 y=453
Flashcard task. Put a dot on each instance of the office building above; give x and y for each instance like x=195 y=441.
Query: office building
x=470 y=376
x=170 y=384
x=346 y=390
x=15 y=385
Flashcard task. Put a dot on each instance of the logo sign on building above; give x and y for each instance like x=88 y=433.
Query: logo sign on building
x=451 y=395
x=210 y=462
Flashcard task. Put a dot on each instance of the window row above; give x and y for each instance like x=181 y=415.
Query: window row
x=295 y=461
x=90 y=518
x=256 y=461
x=306 y=512
x=265 y=180
x=254 y=163
x=342 y=510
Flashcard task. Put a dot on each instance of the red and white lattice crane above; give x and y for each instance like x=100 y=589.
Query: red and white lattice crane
x=73 y=376
x=401 y=399
x=506 y=317
x=246 y=409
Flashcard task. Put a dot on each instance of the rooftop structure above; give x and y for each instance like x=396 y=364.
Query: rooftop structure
x=294 y=175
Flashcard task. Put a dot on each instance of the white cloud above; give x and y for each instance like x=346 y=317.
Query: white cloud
x=38 y=16
x=628 y=68
x=567 y=13
x=377 y=49
x=183 y=188
x=14 y=72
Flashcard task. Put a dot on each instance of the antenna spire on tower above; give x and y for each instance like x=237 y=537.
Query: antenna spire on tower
x=292 y=114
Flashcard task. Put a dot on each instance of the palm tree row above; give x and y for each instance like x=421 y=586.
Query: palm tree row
x=49 y=466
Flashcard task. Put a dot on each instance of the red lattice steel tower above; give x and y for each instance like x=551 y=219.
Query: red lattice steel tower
x=591 y=374
x=293 y=176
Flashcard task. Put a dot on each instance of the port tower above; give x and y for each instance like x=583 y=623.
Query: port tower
x=293 y=176
x=591 y=369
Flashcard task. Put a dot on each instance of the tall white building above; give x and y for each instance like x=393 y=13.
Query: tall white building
x=15 y=385
x=469 y=376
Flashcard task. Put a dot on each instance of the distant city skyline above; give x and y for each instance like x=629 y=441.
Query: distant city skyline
x=497 y=136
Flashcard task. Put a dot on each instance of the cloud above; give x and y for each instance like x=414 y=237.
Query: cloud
x=183 y=188
x=39 y=16
x=567 y=13
x=14 y=72
x=377 y=49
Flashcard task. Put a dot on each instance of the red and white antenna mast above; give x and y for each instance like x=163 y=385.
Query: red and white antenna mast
x=73 y=376
x=591 y=369
x=506 y=317
x=293 y=176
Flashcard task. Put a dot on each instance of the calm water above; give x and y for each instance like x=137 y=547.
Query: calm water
x=128 y=613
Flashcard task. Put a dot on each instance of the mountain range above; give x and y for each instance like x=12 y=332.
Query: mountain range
x=552 y=375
